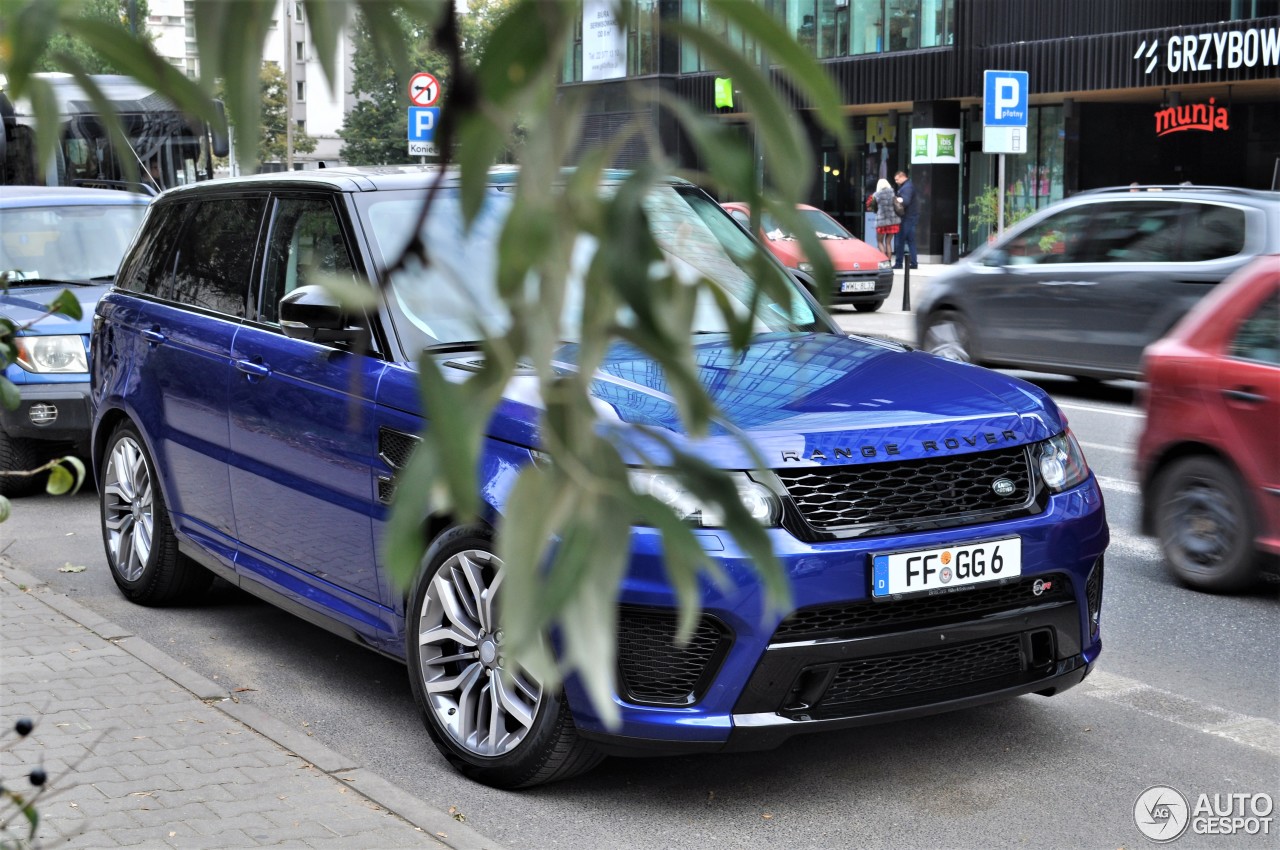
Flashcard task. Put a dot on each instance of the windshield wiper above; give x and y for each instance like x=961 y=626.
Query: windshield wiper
x=43 y=281
x=456 y=345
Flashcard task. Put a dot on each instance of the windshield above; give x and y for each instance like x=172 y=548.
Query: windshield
x=66 y=242
x=824 y=225
x=456 y=298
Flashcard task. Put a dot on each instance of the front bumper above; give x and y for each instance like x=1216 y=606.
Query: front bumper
x=879 y=281
x=838 y=658
x=55 y=412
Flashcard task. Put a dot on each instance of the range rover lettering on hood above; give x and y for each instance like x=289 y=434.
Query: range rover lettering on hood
x=842 y=453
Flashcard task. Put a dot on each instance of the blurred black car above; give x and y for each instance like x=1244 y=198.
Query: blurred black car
x=1083 y=286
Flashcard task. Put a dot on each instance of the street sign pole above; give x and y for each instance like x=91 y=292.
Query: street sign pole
x=1000 y=197
x=1005 y=108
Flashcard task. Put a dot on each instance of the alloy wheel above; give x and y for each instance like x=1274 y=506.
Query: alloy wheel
x=484 y=701
x=128 y=509
x=947 y=337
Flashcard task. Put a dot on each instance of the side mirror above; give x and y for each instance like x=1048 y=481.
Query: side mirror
x=311 y=313
x=996 y=258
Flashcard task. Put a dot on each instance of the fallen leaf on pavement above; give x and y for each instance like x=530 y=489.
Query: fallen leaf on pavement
x=71 y=568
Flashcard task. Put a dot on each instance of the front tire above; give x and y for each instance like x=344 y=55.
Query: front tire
x=868 y=308
x=142 y=550
x=947 y=335
x=1205 y=525
x=491 y=719
x=19 y=455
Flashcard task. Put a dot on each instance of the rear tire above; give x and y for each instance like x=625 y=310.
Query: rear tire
x=491 y=719
x=1205 y=524
x=19 y=455
x=142 y=550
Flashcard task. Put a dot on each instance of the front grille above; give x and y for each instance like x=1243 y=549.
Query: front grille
x=909 y=495
x=879 y=682
x=653 y=669
x=869 y=617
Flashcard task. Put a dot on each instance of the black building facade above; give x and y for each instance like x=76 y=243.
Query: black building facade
x=1121 y=91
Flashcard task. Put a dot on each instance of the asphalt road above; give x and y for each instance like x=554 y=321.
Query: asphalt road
x=1187 y=694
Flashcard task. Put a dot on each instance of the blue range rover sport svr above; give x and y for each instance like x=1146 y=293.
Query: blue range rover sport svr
x=941 y=531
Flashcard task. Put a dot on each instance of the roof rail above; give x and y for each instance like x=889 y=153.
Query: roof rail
x=1174 y=187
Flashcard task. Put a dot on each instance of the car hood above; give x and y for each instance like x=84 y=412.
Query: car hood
x=27 y=303
x=802 y=400
x=846 y=254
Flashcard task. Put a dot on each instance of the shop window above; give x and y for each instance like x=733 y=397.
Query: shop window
x=642 y=38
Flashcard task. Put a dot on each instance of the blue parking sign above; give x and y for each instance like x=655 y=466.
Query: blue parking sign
x=422 y=123
x=1004 y=99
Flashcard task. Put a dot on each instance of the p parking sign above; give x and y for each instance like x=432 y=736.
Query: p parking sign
x=1005 y=109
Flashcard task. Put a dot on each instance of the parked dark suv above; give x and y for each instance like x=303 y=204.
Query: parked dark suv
x=941 y=531
x=1082 y=287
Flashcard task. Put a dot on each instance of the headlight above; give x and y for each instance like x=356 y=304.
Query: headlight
x=885 y=264
x=1062 y=463
x=804 y=267
x=52 y=354
x=758 y=499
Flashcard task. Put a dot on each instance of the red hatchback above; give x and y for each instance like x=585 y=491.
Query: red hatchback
x=864 y=276
x=1209 y=457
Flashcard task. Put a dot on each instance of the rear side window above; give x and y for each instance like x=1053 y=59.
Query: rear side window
x=1213 y=233
x=215 y=255
x=147 y=270
x=1258 y=337
x=1134 y=232
x=1057 y=239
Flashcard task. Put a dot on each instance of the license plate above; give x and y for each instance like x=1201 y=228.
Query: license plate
x=858 y=286
x=946 y=568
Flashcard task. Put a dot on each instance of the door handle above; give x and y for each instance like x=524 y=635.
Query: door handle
x=1245 y=394
x=153 y=336
x=253 y=369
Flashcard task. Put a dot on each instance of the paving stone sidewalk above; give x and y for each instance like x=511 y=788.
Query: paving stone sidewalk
x=141 y=752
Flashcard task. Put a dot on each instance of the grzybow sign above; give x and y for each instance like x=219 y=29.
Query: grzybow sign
x=1192 y=116
x=1213 y=51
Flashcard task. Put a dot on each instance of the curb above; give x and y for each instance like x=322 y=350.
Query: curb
x=341 y=769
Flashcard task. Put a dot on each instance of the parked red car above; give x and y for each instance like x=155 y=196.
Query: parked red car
x=864 y=276
x=1209 y=457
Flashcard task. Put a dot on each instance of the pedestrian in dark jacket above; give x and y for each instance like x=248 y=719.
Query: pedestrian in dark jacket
x=910 y=215
x=887 y=221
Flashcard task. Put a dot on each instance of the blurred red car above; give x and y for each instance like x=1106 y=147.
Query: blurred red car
x=864 y=276
x=1209 y=458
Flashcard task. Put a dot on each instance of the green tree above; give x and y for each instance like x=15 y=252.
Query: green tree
x=272 y=145
x=129 y=15
x=375 y=131
x=275 y=115
x=558 y=539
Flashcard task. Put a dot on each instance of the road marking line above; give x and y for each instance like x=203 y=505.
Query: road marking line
x=1256 y=732
x=1120 y=485
x=1106 y=446
x=1132 y=414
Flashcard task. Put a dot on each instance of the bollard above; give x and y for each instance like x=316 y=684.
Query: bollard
x=906 y=286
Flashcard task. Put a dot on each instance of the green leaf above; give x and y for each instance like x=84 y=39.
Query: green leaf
x=521 y=48
x=5 y=508
x=67 y=304
x=66 y=475
x=9 y=396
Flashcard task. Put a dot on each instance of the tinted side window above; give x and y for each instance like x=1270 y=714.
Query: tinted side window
x=147 y=270
x=1057 y=239
x=1213 y=232
x=215 y=255
x=305 y=244
x=1258 y=337
x=1134 y=232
